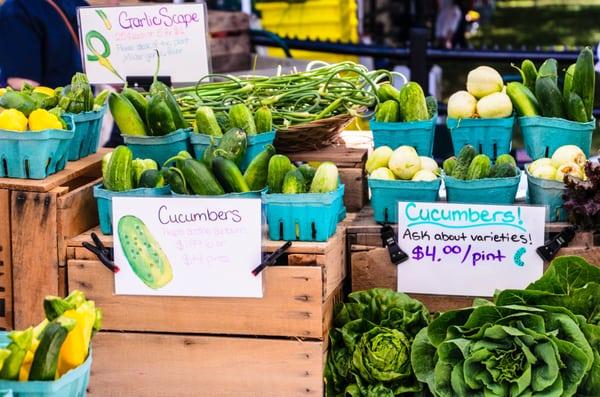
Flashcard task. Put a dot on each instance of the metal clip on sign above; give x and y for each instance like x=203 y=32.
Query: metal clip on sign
x=272 y=258
x=105 y=255
x=388 y=236
x=549 y=250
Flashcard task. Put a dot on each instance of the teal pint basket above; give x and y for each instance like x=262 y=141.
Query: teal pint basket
x=305 y=216
x=418 y=134
x=252 y=194
x=500 y=191
x=491 y=137
x=385 y=195
x=87 y=133
x=159 y=148
x=104 y=201
x=543 y=135
x=72 y=384
x=35 y=154
x=256 y=144
x=547 y=193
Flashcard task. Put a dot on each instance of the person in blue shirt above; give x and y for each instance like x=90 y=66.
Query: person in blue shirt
x=39 y=44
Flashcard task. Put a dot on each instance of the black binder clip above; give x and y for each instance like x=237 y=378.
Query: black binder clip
x=549 y=250
x=105 y=255
x=271 y=259
x=388 y=236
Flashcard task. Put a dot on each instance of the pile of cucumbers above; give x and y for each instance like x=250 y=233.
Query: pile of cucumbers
x=284 y=177
x=407 y=104
x=540 y=95
x=121 y=172
x=469 y=165
x=239 y=116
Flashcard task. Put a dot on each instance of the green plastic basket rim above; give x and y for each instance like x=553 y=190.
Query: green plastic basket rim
x=101 y=192
x=486 y=183
x=376 y=123
x=199 y=138
x=478 y=122
x=251 y=194
x=543 y=183
x=89 y=115
x=402 y=184
x=304 y=198
x=149 y=140
x=526 y=121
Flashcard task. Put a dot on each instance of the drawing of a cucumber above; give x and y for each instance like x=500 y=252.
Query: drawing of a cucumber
x=145 y=256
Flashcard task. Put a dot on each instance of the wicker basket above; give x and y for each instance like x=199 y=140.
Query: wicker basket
x=315 y=135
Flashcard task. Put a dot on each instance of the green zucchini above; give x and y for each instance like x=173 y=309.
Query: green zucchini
x=576 y=108
x=279 y=165
x=523 y=99
x=550 y=98
x=200 y=179
x=46 y=355
x=293 y=182
x=568 y=83
x=263 y=118
x=548 y=69
x=206 y=122
x=584 y=79
x=233 y=145
x=256 y=173
x=55 y=306
x=19 y=345
x=241 y=117
x=76 y=298
x=139 y=102
x=229 y=175
x=413 y=106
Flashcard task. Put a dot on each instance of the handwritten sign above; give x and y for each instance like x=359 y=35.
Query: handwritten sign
x=117 y=42
x=471 y=250
x=187 y=246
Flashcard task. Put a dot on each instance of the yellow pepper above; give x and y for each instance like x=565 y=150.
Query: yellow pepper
x=13 y=120
x=41 y=119
x=44 y=90
x=75 y=349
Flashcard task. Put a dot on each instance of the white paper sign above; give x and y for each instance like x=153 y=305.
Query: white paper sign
x=123 y=40
x=472 y=250
x=187 y=246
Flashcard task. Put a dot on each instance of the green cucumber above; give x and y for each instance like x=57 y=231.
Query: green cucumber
x=143 y=252
x=233 y=144
x=386 y=92
x=120 y=170
x=126 y=116
x=158 y=116
x=206 y=122
x=463 y=160
x=413 y=106
x=139 y=166
x=175 y=179
x=523 y=99
x=548 y=69
x=327 y=178
x=293 y=182
x=432 y=105
x=279 y=165
x=576 y=108
x=19 y=345
x=449 y=165
x=568 y=83
x=241 y=117
x=308 y=172
x=139 y=102
x=584 y=79
x=158 y=87
x=263 y=118
x=529 y=74
x=256 y=173
x=506 y=159
x=151 y=179
x=549 y=97
x=45 y=360
x=200 y=179
x=388 y=112
x=229 y=175
x=504 y=170
x=479 y=167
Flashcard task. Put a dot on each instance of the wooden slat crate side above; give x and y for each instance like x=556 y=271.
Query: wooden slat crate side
x=34 y=254
x=356 y=191
x=77 y=213
x=154 y=365
x=6 y=289
x=225 y=21
x=292 y=305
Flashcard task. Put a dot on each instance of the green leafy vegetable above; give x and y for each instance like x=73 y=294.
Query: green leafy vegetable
x=370 y=346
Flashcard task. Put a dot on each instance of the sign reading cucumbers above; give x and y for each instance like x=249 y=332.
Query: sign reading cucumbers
x=187 y=246
x=117 y=42
x=471 y=250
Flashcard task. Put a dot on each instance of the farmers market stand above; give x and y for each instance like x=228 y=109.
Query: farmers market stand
x=274 y=346
x=37 y=217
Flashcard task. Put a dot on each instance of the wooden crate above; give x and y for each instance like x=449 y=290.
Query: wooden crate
x=37 y=217
x=370 y=264
x=230 y=46
x=298 y=297
x=168 y=365
x=351 y=163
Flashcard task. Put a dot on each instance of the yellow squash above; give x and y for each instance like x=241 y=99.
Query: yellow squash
x=75 y=349
x=28 y=360
x=13 y=120
x=41 y=119
x=44 y=90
